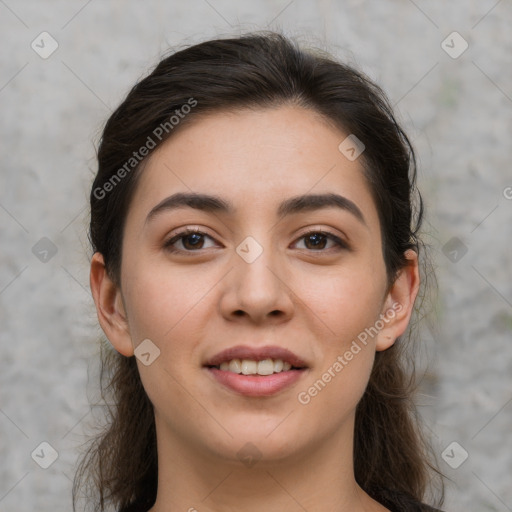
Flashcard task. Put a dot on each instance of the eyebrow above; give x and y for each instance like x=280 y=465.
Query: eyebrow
x=293 y=205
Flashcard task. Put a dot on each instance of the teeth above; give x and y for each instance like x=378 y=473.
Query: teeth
x=251 y=367
x=266 y=367
x=235 y=366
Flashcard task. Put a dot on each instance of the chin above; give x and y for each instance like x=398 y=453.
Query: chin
x=269 y=444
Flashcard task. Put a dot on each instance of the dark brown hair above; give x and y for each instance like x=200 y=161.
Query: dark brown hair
x=256 y=70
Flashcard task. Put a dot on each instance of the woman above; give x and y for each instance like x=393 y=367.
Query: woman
x=255 y=268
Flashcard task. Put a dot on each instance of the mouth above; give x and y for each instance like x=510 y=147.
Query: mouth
x=252 y=367
x=259 y=371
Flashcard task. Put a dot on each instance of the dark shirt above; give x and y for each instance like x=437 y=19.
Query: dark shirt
x=395 y=501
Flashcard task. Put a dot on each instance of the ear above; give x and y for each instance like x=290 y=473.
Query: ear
x=399 y=303
x=110 y=307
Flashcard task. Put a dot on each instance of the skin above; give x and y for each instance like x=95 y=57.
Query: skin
x=193 y=304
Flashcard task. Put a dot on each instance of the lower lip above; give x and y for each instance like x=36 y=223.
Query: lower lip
x=256 y=385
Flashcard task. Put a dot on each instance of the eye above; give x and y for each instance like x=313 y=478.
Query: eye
x=190 y=239
x=317 y=241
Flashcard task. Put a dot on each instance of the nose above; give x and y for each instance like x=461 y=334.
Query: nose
x=258 y=291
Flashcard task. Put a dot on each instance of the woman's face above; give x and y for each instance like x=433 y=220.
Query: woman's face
x=259 y=280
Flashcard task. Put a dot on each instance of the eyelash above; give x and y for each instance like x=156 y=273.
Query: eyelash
x=188 y=231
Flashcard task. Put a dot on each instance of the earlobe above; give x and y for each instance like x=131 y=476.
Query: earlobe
x=109 y=307
x=399 y=303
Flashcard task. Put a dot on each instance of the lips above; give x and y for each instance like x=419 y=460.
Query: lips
x=256 y=354
x=288 y=369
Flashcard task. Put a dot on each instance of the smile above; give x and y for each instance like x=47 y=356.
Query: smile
x=252 y=367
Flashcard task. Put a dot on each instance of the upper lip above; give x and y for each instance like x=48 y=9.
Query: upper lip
x=256 y=354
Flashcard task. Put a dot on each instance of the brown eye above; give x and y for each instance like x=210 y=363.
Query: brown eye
x=317 y=241
x=191 y=240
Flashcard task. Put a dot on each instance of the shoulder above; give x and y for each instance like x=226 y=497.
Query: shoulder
x=397 y=501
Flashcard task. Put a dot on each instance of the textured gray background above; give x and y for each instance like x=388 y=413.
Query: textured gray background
x=457 y=111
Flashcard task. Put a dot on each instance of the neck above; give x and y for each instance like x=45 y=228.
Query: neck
x=319 y=479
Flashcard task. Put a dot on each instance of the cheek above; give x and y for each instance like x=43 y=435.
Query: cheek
x=172 y=309
x=162 y=301
x=347 y=300
x=169 y=307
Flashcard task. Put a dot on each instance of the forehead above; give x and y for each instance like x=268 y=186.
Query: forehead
x=254 y=158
